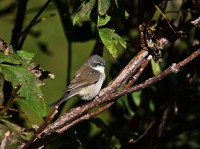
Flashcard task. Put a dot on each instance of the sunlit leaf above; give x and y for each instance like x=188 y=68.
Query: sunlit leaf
x=25 y=56
x=84 y=11
x=9 y=59
x=111 y=39
x=21 y=57
x=103 y=6
x=155 y=67
x=29 y=90
x=103 y=20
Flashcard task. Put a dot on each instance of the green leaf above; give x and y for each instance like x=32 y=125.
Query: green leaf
x=25 y=56
x=103 y=20
x=29 y=89
x=21 y=57
x=155 y=67
x=111 y=39
x=11 y=58
x=125 y=104
x=103 y=6
x=151 y=105
x=137 y=97
x=84 y=11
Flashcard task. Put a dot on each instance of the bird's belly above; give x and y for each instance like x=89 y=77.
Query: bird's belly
x=91 y=91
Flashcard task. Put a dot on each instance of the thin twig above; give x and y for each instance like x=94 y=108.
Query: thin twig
x=10 y=100
x=139 y=72
x=47 y=120
x=31 y=24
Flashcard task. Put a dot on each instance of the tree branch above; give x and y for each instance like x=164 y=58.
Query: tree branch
x=68 y=117
x=75 y=115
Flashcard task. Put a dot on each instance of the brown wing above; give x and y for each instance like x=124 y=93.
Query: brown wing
x=84 y=77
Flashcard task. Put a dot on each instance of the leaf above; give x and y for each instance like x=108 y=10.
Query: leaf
x=137 y=97
x=125 y=104
x=155 y=67
x=99 y=123
x=11 y=58
x=17 y=133
x=25 y=56
x=103 y=20
x=151 y=105
x=21 y=57
x=103 y=6
x=111 y=39
x=84 y=11
x=29 y=89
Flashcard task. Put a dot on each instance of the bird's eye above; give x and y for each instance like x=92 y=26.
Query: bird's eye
x=98 y=64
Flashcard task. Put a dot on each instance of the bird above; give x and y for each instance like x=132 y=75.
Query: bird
x=87 y=81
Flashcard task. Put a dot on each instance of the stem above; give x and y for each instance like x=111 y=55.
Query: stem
x=16 y=32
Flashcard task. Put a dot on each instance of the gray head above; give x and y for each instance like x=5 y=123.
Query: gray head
x=96 y=61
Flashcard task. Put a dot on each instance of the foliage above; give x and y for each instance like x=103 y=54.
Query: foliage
x=14 y=68
x=164 y=115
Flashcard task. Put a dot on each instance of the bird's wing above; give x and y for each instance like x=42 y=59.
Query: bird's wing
x=83 y=80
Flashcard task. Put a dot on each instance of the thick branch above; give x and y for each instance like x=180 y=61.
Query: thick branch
x=78 y=111
x=126 y=73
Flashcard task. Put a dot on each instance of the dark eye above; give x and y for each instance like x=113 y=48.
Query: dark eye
x=98 y=64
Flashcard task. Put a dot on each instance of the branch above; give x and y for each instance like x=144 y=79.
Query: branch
x=75 y=115
x=77 y=112
x=126 y=73
x=66 y=118
x=16 y=33
x=106 y=95
x=31 y=24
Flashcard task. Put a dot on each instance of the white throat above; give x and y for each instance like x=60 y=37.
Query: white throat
x=99 y=68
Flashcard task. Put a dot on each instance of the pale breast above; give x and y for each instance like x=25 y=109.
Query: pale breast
x=91 y=91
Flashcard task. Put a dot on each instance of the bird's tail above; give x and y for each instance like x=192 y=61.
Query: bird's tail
x=60 y=100
x=57 y=102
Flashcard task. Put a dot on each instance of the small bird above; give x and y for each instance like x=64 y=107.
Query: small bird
x=87 y=80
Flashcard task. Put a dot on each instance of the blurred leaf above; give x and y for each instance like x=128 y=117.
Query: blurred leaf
x=103 y=20
x=125 y=104
x=155 y=67
x=151 y=105
x=18 y=132
x=111 y=39
x=29 y=89
x=84 y=11
x=103 y=6
x=115 y=143
x=43 y=47
x=13 y=137
x=99 y=123
x=137 y=97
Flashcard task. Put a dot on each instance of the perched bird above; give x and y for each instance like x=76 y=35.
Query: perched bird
x=87 y=80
